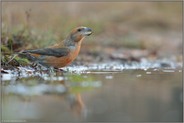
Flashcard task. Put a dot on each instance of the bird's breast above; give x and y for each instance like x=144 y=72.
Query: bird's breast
x=74 y=51
x=65 y=60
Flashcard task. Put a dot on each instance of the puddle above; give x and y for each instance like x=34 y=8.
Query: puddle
x=118 y=66
x=95 y=93
x=100 y=68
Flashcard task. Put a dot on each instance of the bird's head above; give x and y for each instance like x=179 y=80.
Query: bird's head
x=79 y=33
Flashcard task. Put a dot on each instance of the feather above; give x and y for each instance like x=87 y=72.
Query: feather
x=57 y=52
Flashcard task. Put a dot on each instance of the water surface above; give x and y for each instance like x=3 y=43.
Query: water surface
x=126 y=95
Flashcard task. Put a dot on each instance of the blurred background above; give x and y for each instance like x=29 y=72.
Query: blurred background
x=100 y=91
x=152 y=28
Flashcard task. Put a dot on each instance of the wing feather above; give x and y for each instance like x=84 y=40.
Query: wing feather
x=57 y=52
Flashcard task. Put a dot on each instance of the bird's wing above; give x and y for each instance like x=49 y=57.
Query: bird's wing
x=57 y=52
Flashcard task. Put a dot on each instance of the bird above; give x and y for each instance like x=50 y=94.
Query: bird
x=61 y=54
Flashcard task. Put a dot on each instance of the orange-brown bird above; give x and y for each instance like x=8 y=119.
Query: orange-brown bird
x=61 y=54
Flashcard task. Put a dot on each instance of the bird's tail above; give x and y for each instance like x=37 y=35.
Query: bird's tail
x=21 y=54
x=26 y=55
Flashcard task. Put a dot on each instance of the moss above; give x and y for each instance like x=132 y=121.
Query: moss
x=22 y=61
x=5 y=49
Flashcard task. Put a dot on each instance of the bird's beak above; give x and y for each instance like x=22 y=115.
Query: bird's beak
x=88 y=31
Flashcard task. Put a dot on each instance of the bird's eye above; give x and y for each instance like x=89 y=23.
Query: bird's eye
x=79 y=30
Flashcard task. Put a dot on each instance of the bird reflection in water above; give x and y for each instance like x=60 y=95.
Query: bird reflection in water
x=77 y=105
x=38 y=95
